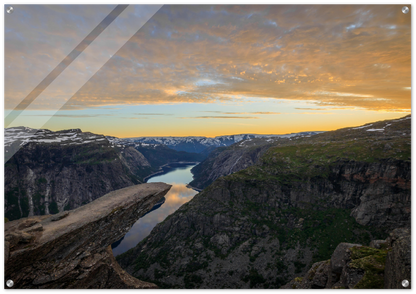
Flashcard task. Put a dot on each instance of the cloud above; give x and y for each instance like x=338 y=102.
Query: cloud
x=317 y=113
x=326 y=108
x=337 y=55
x=265 y=112
x=70 y=115
x=134 y=117
x=219 y=117
x=153 y=114
x=258 y=112
x=309 y=108
x=342 y=94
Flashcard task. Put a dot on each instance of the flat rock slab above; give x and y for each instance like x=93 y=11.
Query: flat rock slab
x=102 y=207
x=60 y=245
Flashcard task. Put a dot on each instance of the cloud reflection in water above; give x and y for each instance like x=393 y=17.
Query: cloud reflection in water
x=177 y=195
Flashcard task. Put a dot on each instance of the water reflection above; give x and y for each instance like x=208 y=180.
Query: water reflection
x=178 y=176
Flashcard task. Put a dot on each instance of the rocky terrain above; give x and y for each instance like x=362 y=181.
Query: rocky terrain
x=224 y=161
x=266 y=224
x=50 y=172
x=72 y=249
x=159 y=155
x=382 y=264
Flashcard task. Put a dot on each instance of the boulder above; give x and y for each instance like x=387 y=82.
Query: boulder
x=398 y=261
x=378 y=244
x=340 y=257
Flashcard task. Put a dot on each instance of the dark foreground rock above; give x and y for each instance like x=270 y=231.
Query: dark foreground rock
x=353 y=266
x=72 y=249
x=398 y=263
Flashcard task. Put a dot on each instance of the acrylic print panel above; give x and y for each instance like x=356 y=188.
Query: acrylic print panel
x=122 y=71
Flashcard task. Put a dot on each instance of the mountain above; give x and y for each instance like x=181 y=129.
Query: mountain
x=199 y=144
x=50 y=172
x=158 y=155
x=269 y=223
x=224 y=161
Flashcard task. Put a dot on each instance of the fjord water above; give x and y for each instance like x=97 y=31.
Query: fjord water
x=177 y=175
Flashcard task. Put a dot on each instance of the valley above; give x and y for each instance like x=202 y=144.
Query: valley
x=289 y=207
x=270 y=210
x=178 y=175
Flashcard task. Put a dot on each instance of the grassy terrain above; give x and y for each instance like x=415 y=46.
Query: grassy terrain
x=372 y=261
x=315 y=160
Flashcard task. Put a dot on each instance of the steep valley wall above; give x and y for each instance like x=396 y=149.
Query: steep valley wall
x=267 y=224
x=47 y=178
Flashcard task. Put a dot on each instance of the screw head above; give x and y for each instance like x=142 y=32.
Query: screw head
x=9 y=9
x=405 y=9
x=405 y=283
x=9 y=283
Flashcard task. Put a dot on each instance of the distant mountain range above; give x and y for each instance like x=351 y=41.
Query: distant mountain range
x=48 y=172
x=199 y=144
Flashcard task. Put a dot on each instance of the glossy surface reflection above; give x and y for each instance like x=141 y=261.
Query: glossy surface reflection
x=178 y=175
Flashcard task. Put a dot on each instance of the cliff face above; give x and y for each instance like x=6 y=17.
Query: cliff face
x=224 y=161
x=57 y=171
x=72 y=249
x=266 y=224
x=137 y=164
x=159 y=155
x=382 y=264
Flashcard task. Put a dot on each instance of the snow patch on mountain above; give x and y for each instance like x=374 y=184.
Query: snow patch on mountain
x=198 y=144
x=25 y=135
x=362 y=127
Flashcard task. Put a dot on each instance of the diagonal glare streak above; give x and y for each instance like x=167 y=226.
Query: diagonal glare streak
x=64 y=63
x=138 y=16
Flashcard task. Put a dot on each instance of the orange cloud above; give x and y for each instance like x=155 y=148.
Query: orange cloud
x=331 y=55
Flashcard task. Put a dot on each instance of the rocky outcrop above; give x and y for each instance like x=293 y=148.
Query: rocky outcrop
x=137 y=164
x=398 y=263
x=241 y=235
x=72 y=249
x=56 y=171
x=267 y=224
x=161 y=155
x=353 y=266
x=223 y=162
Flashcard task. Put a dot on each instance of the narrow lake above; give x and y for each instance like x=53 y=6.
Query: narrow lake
x=178 y=175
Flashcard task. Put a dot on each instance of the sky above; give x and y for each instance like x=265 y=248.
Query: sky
x=206 y=70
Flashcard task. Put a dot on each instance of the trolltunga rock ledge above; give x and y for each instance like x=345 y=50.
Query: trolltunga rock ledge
x=72 y=249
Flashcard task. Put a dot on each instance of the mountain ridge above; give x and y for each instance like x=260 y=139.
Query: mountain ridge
x=198 y=144
x=266 y=224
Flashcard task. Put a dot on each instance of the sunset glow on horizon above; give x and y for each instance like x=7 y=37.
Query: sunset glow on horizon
x=200 y=70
